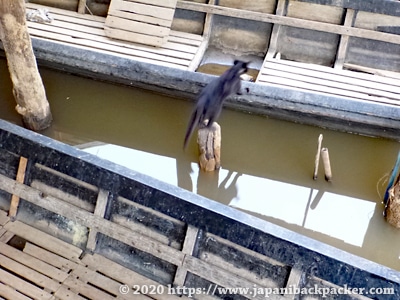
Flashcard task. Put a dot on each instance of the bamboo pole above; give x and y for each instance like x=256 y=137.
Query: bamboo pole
x=327 y=164
x=317 y=157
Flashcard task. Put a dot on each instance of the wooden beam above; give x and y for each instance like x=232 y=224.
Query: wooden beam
x=289 y=21
x=344 y=40
x=20 y=178
x=101 y=205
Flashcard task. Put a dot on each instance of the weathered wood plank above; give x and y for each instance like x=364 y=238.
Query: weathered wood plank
x=120 y=34
x=10 y=293
x=101 y=205
x=33 y=262
x=23 y=286
x=44 y=240
x=65 y=293
x=367 y=77
x=87 y=219
x=184 y=50
x=344 y=40
x=348 y=86
x=124 y=275
x=20 y=178
x=105 y=283
x=49 y=190
x=86 y=290
x=124 y=52
x=188 y=246
x=293 y=282
x=222 y=277
x=3 y=218
x=299 y=84
x=143 y=9
x=53 y=259
x=133 y=26
x=162 y=3
x=28 y=273
x=140 y=18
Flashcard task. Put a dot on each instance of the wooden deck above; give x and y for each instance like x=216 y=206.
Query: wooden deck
x=381 y=88
x=182 y=50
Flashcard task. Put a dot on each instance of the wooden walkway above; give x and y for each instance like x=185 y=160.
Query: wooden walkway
x=183 y=50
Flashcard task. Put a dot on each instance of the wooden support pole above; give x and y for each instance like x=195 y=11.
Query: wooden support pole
x=82 y=6
x=28 y=87
x=315 y=176
x=327 y=164
x=20 y=178
x=209 y=141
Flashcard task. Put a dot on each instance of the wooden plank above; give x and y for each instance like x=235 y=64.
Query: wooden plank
x=299 y=84
x=273 y=41
x=163 y=3
x=65 y=293
x=133 y=37
x=141 y=18
x=23 y=286
x=55 y=192
x=28 y=273
x=350 y=74
x=143 y=9
x=344 y=39
x=53 y=259
x=33 y=262
x=331 y=80
x=135 y=27
x=44 y=240
x=6 y=236
x=88 y=45
x=3 y=217
x=94 y=40
x=84 y=218
x=20 y=178
x=67 y=177
x=105 y=283
x=289 y=21
x=222 y=277
x=10 y=293
x=129 y=53
x=293 y=282
x=188 y=246
x=124 y=275
x=386 y=75
x=86 y=290
x=101 y=205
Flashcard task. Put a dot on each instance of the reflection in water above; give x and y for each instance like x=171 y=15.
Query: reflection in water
x=267 y=164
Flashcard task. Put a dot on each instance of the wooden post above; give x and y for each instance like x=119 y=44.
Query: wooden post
x=20 y=178
x=316 y=164
x=327 y=164
x=28 y=87
x=209 y=141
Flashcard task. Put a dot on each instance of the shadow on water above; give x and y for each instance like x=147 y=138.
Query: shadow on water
x=266 y=169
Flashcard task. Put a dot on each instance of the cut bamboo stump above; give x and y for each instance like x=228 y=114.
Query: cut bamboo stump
x=392 y=210
x=209 y=141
